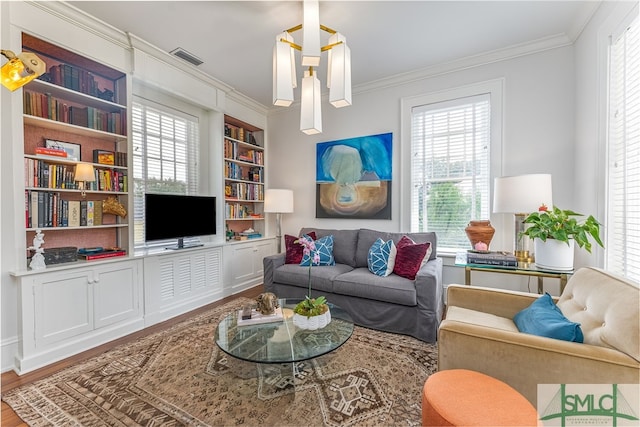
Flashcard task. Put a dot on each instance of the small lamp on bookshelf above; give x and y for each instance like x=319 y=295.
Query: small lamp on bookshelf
x=84 y=173
x=21 y=69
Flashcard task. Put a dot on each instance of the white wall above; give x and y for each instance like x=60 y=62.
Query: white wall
x=538 y=136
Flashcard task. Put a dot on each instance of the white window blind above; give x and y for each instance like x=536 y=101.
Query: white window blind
x=623 y=211
x=450 y=184
x=165 y=155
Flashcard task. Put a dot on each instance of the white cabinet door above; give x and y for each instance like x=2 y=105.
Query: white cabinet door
x=62 y=306
x=244 y=263
x=116 y=293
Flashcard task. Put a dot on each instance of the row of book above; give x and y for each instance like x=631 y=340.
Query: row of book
x=239 y=133
x=42 y=174
x=238 y=211
x=492 y=258
x=48 y=209
x=101 y=254
x=244 y=191
x=73 y=78
x=49 y=107
x=235 y=171
x=233 y=151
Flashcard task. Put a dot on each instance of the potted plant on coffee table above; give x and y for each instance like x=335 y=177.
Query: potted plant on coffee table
x=311 y=313
x=555 y=233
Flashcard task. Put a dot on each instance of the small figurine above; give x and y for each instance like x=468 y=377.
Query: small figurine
x=267 y=303
x=37 y=260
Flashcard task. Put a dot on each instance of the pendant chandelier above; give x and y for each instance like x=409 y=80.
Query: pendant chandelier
x=338 y=69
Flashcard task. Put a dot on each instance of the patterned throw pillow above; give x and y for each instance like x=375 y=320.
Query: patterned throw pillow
x=382 y=257
x=410 y=256
x=324 y=246
x=293 y=253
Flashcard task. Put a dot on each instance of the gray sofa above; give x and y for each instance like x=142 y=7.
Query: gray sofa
x=392 y=304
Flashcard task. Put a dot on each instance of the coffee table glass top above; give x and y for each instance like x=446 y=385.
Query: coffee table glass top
x=282 y=341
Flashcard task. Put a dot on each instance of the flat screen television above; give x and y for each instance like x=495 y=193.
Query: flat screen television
x=173 y=216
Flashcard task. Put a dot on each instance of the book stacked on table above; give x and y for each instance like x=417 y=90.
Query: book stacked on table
x=492 y=258
x=100 y=253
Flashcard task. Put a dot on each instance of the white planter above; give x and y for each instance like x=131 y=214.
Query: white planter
x=554 y=255
x=312 y=323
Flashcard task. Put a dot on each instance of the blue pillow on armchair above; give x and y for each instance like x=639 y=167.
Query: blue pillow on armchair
x=544 y=318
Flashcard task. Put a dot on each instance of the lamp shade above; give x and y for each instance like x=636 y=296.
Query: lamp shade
x=84 y=173
x=339 y=72
x=278 y=201
x=311 y=34
x=310 y=106
x=522 y=193
x=284 y=71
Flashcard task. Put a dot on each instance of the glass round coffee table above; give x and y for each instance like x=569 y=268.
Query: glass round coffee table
x=281 y=341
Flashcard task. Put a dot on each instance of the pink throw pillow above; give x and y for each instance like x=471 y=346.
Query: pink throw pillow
x=410 y=256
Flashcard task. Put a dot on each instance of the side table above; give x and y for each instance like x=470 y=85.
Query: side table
x=526 y=269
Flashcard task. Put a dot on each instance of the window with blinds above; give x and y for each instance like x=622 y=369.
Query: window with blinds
x=165 y=155
x=450 y=183
x=623 y=199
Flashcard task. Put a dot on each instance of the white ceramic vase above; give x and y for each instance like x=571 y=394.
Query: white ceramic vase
x=313 y=322
x=554 y=254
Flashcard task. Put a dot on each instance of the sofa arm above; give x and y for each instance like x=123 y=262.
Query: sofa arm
x=429 y=288
x=499 y=302
x=524 y=361
x=269 y=264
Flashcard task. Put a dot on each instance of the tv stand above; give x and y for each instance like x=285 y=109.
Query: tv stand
x=181 y=245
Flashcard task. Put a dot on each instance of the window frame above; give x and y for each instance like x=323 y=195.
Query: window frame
x=495 y=88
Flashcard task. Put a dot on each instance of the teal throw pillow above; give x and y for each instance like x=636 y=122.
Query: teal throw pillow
x=382 y=257
x=544 y=318
x=324 y=247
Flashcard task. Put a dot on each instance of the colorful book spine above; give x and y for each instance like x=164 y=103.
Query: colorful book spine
x=492 y=258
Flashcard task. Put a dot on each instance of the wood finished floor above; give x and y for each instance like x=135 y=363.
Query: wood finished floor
x=10 y=380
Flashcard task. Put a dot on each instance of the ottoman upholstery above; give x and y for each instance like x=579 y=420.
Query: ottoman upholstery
x=459 y=397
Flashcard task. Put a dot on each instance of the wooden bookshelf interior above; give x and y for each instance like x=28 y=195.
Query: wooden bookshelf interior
x=85 y=105
x=243 y=178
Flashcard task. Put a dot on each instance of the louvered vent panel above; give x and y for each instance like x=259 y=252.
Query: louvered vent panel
x=184 y=276
x=166 y=280
x=199 y=272
x=214 y=272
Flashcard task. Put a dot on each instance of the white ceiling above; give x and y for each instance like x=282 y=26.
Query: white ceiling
x=387 y=38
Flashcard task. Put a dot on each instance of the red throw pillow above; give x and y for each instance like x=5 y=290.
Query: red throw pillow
x=293 y=253
x=410 y=256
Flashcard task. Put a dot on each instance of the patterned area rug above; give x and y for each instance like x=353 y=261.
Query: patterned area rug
x=179 y=377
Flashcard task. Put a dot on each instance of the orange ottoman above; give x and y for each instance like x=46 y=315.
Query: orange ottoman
x=459 y=397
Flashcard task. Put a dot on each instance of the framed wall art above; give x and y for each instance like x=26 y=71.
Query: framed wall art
x=72 y=150
x=353 y=177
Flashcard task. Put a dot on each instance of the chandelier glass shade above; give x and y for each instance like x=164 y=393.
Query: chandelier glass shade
x=338 y=69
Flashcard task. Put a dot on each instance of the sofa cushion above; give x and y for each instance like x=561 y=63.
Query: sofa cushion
x=410 y=256
x=382 y=257
x=544 y=318
x=359 y=282
x=366 y=237
x=344 y=243
x=321 y=277
x=606 y=306
x=324 y=249
x=293 y=253
x=480 y=318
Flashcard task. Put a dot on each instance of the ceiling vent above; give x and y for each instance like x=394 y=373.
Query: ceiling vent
x=189 y=57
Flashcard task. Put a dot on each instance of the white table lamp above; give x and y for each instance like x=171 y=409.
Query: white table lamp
x=278 y=201
x=521 y=195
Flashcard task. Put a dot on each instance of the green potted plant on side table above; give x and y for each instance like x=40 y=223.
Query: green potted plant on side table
x=311 y=313
x=555 y=233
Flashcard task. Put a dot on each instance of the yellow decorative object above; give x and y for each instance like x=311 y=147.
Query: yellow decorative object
x=111 y=205
x=21 y=69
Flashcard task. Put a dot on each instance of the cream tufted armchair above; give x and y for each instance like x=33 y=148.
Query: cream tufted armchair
x=478 y=333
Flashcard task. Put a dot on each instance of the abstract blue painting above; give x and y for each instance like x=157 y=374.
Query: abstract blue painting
x=353 y=177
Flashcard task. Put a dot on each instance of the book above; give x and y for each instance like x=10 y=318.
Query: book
x=90 y=213
x=54 y=152
x=107 y=253
x=258 y=318
x=492 y=258
x=97 y=212
x=74 y=213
